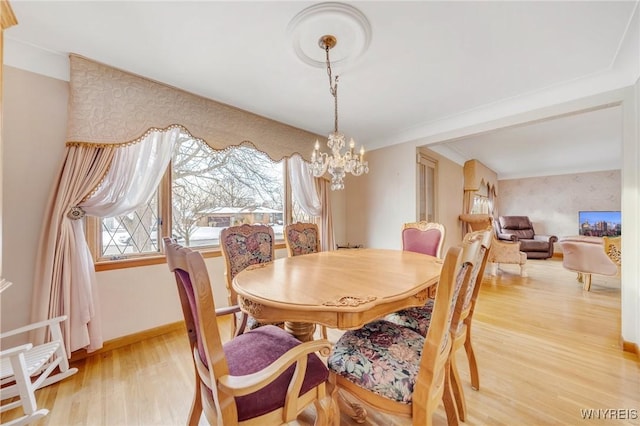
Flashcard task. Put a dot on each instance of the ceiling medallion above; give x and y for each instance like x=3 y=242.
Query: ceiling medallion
x=341 y=20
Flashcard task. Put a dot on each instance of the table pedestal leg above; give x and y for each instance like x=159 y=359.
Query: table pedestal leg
x=302 y=331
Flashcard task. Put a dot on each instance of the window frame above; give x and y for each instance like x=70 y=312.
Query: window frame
x=93 y=226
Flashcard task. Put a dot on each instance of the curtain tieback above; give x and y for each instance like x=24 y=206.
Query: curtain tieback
x=76 y=213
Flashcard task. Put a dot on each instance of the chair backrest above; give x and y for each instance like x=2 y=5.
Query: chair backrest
x=454 y=278
x=423 y=237
x=301 y=238
x=178 y=264
x=485 y=237
x=198 y=308
x=243 y=246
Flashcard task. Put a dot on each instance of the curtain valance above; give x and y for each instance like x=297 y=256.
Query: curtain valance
x=476 y=174
x=107 y=105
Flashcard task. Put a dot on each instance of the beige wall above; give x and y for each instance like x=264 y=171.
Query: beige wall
x=380 y=202
x=552 y=202
x=35 y=115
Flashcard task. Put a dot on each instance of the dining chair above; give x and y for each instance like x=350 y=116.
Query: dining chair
x=303 y=238
x=262 y=377
x=244 y=246
x=423 y=237
x=28 y=367
x=419 y=318
x=395 y=369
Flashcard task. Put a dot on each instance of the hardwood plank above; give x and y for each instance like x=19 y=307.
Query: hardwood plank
x=546 y=350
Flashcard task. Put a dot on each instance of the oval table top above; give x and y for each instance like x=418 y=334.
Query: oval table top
x=341 y=289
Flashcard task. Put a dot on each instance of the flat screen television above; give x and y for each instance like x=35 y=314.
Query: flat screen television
x=600 y=223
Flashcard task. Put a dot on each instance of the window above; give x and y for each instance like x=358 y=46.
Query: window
x=481 y=202
x=427 y=194
x=204 y=191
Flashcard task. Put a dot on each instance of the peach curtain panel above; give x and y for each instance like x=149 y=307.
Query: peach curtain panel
x=56 y=290
x=328 y=240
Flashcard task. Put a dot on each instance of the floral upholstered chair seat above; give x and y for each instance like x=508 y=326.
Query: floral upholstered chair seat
x=382 y=357
x=417 y=318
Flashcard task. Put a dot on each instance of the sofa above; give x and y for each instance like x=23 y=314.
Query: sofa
x=520 y=228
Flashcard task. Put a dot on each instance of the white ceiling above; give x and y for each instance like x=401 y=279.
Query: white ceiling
x=430 y=67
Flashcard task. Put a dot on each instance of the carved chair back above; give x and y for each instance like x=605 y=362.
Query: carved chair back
x=301 y=238
x=423 y=237
x=243 y=246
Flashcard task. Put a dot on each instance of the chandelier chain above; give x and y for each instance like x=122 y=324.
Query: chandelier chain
x=333 y=89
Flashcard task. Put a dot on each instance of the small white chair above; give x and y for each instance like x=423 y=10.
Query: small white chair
x=26 y=368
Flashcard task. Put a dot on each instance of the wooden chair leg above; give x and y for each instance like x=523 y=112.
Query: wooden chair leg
x=523 y=270
x=448 y=399
x=196 y=406
x=471 y=356
x=587 y=281
x=456 y=388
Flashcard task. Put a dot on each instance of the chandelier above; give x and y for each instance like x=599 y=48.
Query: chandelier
x=336 y=163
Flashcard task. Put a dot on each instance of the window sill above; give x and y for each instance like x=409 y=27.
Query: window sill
x=108 y=265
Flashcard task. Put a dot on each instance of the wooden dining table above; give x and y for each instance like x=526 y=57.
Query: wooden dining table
x=341 y=289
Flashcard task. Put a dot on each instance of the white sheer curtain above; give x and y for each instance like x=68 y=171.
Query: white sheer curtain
x=134 y=175
x=313 y=196
x=100 y=180
x=303 y=186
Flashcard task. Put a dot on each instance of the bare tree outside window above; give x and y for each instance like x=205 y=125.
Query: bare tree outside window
x=210 y=190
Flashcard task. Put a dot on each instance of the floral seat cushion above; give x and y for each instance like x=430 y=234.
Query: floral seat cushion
x=381 y=357
x=417 y=318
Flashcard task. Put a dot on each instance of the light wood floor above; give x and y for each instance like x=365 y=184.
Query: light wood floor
x=546 y=350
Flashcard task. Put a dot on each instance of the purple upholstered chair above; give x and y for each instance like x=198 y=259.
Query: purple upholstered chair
x=264 y=376
x=423 y=237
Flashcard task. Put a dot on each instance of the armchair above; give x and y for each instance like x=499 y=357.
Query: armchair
x=261 y=377
x=520 y=228
x=587 y=255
